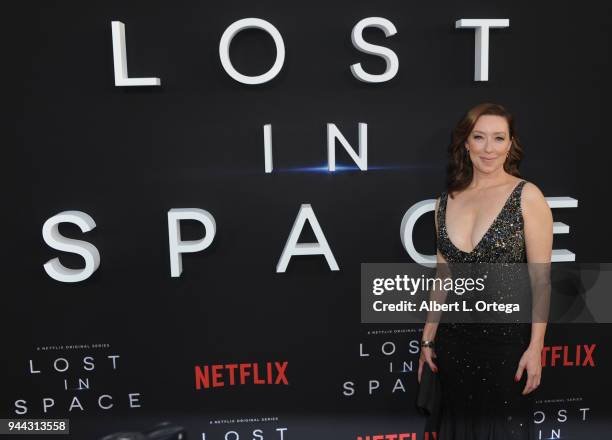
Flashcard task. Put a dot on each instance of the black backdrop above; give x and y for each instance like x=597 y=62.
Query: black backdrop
x=127 y=155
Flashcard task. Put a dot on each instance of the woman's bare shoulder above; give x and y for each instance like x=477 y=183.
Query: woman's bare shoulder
x=533 y=201
x=532 y=193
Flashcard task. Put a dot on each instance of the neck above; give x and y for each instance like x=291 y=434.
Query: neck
x=482 y=180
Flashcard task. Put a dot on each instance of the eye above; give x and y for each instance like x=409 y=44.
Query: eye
x=477 y=136
x=500 y=138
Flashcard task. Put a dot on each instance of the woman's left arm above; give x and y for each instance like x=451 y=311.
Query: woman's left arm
x=538 y=225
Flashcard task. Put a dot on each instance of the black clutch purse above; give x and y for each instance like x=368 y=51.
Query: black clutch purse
x=429 y=394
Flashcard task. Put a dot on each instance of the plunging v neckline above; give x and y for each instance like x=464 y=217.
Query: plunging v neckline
x=488 y=229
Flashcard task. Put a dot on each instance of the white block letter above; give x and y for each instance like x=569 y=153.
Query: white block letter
x=481 y=51
x=360 y=159
x=559 y=255
x=54 y=239
x=177 y=246
x=292 y=247
x=226 y=40
x=408 y=221
x=120 y=60
x=268 y=148
x=387 y=54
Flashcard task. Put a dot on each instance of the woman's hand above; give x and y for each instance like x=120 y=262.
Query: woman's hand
x=427 y=355
x=532 y=362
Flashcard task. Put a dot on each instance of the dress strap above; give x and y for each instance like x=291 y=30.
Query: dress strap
x=516 y=193
x=442 y=209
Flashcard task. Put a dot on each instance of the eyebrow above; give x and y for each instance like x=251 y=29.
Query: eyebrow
x=497 y=132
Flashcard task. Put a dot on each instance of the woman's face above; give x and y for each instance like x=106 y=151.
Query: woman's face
x=489 y=143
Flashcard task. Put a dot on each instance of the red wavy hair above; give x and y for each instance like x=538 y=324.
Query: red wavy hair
x=460 y=170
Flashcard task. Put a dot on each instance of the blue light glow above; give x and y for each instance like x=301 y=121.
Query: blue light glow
x=341 y=168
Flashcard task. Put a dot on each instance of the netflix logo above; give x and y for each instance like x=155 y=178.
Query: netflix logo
x=568 y=355
x=394 y=436
x=223 y=375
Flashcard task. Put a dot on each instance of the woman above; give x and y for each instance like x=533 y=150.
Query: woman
x=487 y=371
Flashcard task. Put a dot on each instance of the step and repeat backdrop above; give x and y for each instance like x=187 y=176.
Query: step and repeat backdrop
x=193 y=186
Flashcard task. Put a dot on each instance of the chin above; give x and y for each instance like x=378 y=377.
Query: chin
x=488 y=168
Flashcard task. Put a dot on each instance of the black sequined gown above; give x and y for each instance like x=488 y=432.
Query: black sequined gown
x=477 y=361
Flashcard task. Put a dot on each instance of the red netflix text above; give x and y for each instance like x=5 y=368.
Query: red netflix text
x=568 y=356
x=400 y=436
x=222 y=375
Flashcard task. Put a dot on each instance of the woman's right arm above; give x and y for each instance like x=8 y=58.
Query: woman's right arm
x=431 y=324
x=433 y=318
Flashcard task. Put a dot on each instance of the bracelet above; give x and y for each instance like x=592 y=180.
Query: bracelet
x=426 y=343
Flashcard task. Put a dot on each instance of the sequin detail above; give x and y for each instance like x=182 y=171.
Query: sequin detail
x=477 y=362
x=504 y=241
